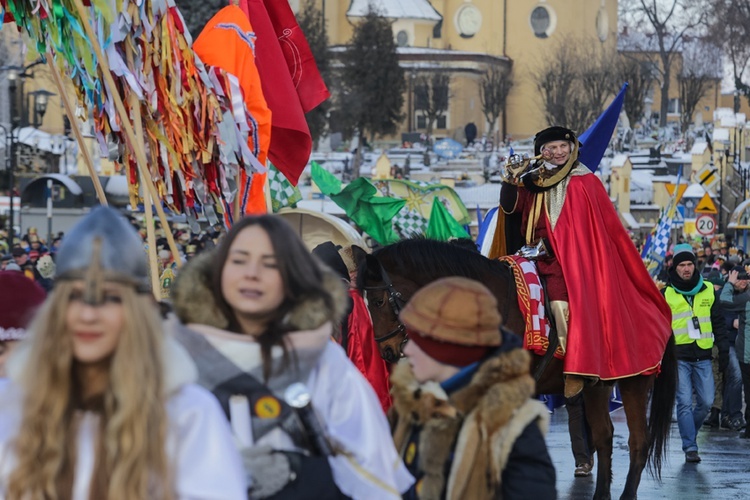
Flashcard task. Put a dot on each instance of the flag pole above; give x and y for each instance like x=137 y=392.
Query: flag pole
x=76 y=131
x=140 y=154
x=147 y=201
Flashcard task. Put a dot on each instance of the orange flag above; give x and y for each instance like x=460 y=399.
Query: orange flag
x=228 y=42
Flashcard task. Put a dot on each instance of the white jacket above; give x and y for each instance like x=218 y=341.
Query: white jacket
x=203 y=458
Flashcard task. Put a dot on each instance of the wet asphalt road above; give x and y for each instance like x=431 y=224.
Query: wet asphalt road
x=724 y=473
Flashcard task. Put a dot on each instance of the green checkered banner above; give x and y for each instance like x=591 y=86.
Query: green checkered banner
x=283 y=194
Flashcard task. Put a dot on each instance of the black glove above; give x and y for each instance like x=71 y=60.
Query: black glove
x=723 y=360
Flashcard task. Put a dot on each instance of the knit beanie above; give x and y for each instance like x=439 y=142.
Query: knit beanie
x=682 y=253
x=19 y=298
x=453 y=320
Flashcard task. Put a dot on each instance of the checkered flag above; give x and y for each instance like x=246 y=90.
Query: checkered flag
x=662 y=235
x=409 y=224
x=283 y=194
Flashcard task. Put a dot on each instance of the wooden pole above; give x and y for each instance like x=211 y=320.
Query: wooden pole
x=151 y=240
x=267 y=192
x=76 y=131
x=236 y=211
x=147 y=201
x=140 y=154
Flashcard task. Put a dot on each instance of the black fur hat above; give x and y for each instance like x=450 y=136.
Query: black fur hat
x=553 y=134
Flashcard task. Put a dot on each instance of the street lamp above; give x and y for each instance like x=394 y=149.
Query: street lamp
x=41 y=100
x=18 y=119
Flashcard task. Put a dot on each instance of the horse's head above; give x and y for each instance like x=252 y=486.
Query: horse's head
x=386 y=295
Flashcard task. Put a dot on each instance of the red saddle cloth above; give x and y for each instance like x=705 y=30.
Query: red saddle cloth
x=531 y=303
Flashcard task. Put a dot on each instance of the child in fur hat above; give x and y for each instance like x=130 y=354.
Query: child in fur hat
x=466 y=426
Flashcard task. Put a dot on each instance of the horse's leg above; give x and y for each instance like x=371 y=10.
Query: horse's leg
x=634 y=391
x=596 y=401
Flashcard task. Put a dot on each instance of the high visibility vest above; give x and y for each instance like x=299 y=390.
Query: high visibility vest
x=682 y=313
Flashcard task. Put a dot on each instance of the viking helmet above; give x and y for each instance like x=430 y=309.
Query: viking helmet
x=103 y=246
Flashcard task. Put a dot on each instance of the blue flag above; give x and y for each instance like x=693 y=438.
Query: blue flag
x=596 y=139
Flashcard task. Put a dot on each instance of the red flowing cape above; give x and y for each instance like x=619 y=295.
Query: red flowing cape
x=363 y=350
x=619 y=321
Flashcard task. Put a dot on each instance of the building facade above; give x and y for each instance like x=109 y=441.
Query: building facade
x=467 y=37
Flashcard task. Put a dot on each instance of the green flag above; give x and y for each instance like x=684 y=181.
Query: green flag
x=283 y=194
x=325 y=180
x=442 y=225
x=372 y=213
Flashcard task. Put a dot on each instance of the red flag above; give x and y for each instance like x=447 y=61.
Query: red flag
x=310 y=86
x=291 y=143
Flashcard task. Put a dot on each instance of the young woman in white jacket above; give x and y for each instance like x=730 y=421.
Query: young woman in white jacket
x=100 y=403
x=259 y=314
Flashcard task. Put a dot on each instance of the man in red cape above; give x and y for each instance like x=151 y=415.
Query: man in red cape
x=611 y=319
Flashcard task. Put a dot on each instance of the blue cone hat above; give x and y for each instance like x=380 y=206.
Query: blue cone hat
x=103 y=246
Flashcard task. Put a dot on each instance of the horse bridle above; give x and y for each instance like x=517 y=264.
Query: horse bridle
x=396 y=301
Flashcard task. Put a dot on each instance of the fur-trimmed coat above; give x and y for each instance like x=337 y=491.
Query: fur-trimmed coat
x=495 y=431
x=194 y=302
x=364 y=466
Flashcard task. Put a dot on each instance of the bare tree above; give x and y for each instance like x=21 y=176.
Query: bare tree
x=700 y=70
x=431 y=97
x=494 y=88
x=667 y=23
x=729 y=28
x=575 y=81
x=640 y=78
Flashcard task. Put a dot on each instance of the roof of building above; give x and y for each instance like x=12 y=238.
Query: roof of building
x=641 y=186
x=721 y=134
x=699 y=148
x=619 y=160
x=396 y=9
x=700 y=57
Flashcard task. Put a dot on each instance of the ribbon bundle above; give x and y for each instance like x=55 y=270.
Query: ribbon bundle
x=197 y=130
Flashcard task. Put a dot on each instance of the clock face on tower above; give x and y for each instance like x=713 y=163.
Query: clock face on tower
x=468 y=20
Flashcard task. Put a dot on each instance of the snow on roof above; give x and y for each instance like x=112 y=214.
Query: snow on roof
x=641 y=186
x=699 y=148
x=30 y=136
x=720 y=113
x=669 y=179
x=630 y=220
x=619 y=160
x=395 y=9
x=694 y=191
x=699 y=56
x=721 y=134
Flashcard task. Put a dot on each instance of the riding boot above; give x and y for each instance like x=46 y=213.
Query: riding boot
x=561 y=313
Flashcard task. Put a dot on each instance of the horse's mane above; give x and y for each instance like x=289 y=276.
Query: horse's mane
x=427 y=260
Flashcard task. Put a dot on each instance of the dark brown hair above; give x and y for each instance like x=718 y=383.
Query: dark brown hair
x=301 y=275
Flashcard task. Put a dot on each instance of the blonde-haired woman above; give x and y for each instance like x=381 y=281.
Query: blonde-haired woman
x=100 y=403
x=260 y=312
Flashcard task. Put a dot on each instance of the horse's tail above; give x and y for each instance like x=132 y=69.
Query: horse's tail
x=662 y=404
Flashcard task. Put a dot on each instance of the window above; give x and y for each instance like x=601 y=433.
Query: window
x=543 y=21
x=402 y=38
x=440 y=123
x=674 y=107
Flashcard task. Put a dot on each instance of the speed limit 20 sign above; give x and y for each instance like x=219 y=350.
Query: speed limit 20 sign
x=705 y=224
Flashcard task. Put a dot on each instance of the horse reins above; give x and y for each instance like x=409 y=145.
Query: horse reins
x=396 y=301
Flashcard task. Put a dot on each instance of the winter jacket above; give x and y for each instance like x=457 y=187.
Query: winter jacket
x=483 y=440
